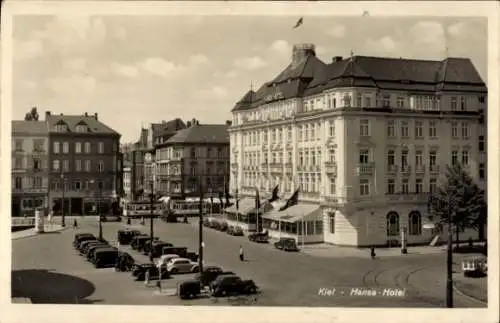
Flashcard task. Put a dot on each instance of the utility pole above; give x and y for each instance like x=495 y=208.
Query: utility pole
x=449 y=259
x=99 y=210
x=152 y=198
x=63 y=182
x=200 y=229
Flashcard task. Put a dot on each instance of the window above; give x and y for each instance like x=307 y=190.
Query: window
x=465 y=130
x=386 y=99
x=87 y=148
x=364 y=187
x=364 y=156
x=391 y=186
x=481 y=143
x=419 y=159
x=65 y=147
x=38 y=144
x=193 y=152
x=18 y=144
x=37 y=182
x=419 y=131
x=78 y=165
x=331 y=221
x=400 y=102
x=333 y=186
x=454 y=129
x=100 y=166
x=364 y=128
x=331 y=132
x=100 y=185
x=454 y=157
x=405 y=186
x=60 y=127
x=81 y=128
x=56 y=165
x=463 y=103
x=78 y=147
x=306 y=133
x=289 y=157
x=289 y=133
x=359 y=99
x=391 y=158
x=392 y=224
x=301 y=134
x=404 y=158
x=432 y=129
x=18 y=162
x=368 y=102
x=77 y=185
x=331 y=156
x=18 y=183
x=465 y=157
x=405 y=133
x=65 y=165
x=37 y=164
x=391 y=129
x=419 y=186
x=453 y=103
x=56 y=147
x=415 y=223
x=88 y=165
x=432 y=185
x=100 y=147
x=219 y=153
x=481 y=171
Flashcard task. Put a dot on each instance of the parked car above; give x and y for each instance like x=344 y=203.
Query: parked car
x=124 y=237
x=181 y=265
x=105 y=257
x=138 y=242
x=180 y=251
x=226 y=285
x=193 y=256
x=78 y=236
x=164 y=259
x=80 y=239
x=169 y=217
x=222 y=226
x=206 y=222
x=211 y=285
x=83 y=244
x=158 y=247
x=90 y=250
x=210 y=273
x=139 y=272
x=124 y=262
x=188 y=289
x=260 y=237
x=286 y=244
x=235 y=230
x=147 y=246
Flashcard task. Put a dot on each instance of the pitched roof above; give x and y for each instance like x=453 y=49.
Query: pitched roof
x=171 y=126
x=31 y=127
x=202 y=133
x=72 y=121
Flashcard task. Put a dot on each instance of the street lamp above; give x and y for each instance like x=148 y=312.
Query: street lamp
x=152 y=200
x=63 y=182
x=200 y=229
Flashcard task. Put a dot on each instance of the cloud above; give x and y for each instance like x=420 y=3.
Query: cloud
x=66 y=86
x=158 y=66
x=250 y=63
x=198 y=59
x=231 y=74
x=215 y=92
x=25 y=50
x=281 y=47
x=74 y=64
x=337 y=31
x=124 y=70
x=428 y=33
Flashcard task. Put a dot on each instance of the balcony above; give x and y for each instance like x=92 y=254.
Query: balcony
x=331 y=168
x=234 y=166
x=264 y=166
x=288 y=168
x=276 y=168
x=408 y=197
x=365 y=169
x=301 y=168
x=419 y=169
x=405 y=169
x=434 y=169
x=246 y=167
x=176 y=177
x=391 y=169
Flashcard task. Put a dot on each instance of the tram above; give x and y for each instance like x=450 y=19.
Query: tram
x=142 y=209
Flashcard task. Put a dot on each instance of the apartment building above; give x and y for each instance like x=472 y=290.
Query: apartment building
x=195 y=157
x=85 y=164
x=363 y=139
x=29 y=167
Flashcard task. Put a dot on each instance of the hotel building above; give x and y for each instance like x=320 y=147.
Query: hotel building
x=363 y=139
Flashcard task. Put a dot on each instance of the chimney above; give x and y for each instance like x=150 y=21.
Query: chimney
x=47 y=114
x=95 y=116
x=197 y=122
x=336 y=59
x=300 y=53
x=228 y=122
x=86 y=114
x=61 y=114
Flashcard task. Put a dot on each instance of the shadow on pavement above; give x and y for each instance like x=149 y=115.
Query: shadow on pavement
x=44 y=286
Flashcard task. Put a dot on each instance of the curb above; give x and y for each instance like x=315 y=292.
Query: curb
x=461 y=293
x=39 y=234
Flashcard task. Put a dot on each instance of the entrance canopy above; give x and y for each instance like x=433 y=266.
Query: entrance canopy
x=246 y=205
x=295 y=213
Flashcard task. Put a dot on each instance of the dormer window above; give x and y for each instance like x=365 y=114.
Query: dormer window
x=60 y=127
x=81 y=128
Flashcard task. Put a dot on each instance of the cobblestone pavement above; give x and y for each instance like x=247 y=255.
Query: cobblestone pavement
x=286 y=279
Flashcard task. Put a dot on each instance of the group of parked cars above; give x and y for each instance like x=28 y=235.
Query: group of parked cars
x=100 y=253
x=221 y=225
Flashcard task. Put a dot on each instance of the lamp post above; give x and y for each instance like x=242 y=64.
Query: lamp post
x=152 y=199
x=63 y=182
x=99 y=193
x=449 y=260
x=200 y=229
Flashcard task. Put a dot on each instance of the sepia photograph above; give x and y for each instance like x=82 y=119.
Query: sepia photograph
x=233 y=157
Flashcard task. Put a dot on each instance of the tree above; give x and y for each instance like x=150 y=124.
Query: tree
x=32 y=115
x=460 y=196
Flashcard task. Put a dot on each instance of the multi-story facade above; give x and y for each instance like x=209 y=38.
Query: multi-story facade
x=85 y=163
x=29 y=167
x=127 y=181
x=195 y=157
x=364 y=139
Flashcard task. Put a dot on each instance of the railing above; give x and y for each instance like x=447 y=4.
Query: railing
x=405 y=169
x=278 y=168
x=434 y=169
x=419 y=168
x=392 y=169
x=288 y=168
x=365 y=169
x=21 y=222
x=331 y=167
x=408 y=197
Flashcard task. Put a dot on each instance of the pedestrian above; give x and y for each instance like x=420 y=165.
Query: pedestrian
x=142 y=221
x=75 y=224
x=372 y=252
x=242 y=258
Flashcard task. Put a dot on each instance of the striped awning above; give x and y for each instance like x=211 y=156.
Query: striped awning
x=246 y=205
x=295 y=213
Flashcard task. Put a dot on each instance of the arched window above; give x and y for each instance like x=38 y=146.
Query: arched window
x=415 y=223
x=392 y=224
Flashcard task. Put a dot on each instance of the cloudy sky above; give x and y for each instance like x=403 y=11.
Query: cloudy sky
x=134 y=70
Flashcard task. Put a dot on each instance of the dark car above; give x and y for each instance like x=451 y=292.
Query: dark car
x=286 y=244
x=105 y=257
x=139 y=272
x=147 y=247
x=227 y=285
x=140 y=242
x=158 y=248
x=188 y=289
x=111 y=218
x=222 y=226
x=79 y=240
x=193 y=256
x=235 y=230
x=209 y=274
x=214 y=224
x=206 y=222
x=169 y=217
x=260 y=237
x=124 y=262
x=78 y=236
x=83 y=244
x=124 y=237
x=211 y=285
x=179 y=251
x=93 y=248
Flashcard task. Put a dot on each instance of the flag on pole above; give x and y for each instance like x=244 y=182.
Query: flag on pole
x=257 y=199
x=237 y=201
x=299 y=22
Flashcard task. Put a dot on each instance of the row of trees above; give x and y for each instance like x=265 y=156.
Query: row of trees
x=462 y=197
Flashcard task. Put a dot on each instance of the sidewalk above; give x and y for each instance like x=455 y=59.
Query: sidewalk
x=48 y=228
x=476 y=288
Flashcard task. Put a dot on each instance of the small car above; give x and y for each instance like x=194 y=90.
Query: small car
x=222 y=226
x=189 y=289
x=235 y=230
x=78 y=236
x=91 y=249
x=124 y=237
x=182 y=265
x=139 y=241
x=193 y=256
x=164 y=259
x=84 y=247
x=139 y=272
x=81 y=239
x=124 y=262
x=209 y=274
x=105 y=257
x=180 y=251
x=83 y=244
x=260 y=237
x=211 y=285
x=226 y=285
x=286 y=244
x=158 y=248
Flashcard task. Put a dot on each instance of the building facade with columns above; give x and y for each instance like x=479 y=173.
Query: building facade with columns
x=363 y=139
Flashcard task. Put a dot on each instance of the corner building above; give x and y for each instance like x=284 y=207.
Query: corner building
x=363 y=139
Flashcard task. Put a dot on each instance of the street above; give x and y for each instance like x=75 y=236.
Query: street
x=47 y=269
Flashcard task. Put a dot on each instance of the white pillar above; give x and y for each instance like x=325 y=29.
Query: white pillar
x=39 y=223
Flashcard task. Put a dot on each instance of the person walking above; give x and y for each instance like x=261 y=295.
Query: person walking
x=242 y=258
x=75 y=224
x=372 y=252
